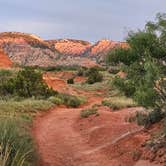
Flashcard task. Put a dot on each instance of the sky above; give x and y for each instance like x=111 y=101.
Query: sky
x=90 y=20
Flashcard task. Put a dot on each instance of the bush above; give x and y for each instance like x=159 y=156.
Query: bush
x=82 y=71
x=56 y=100
x=94 y=76
x=70 y=100
x=87 y=112
x=27 y=83
x=70 y=81
x=145 y=96
x=147 y=119
x=114 y=69
x=126 y=86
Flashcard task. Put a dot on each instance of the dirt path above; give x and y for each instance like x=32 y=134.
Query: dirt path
x=65 y=139
x=62 y=143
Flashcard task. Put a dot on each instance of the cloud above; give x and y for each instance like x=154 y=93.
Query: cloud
x=82 y=19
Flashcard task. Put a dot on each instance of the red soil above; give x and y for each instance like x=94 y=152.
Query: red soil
x=121 y=74
x=5 y=62
x=58 y=81
x=71 y=47
x=65 y=139
x=80 y=79
x=55 y=82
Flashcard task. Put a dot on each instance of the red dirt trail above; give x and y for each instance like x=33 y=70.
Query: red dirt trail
x=65 y=139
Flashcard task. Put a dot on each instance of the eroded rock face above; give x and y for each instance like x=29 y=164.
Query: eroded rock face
x=76 y=50
x=28 y=50
x=5 y=62
x=70 y=47
x=100 y=49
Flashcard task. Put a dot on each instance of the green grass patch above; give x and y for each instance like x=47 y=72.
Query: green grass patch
x=16 y=144
x=25 y=106
x=68 y=100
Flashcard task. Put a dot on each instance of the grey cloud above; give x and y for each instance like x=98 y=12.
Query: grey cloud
x=82 y=19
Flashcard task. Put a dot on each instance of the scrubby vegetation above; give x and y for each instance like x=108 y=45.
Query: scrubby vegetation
x=16 y=144
x=144 y=63
x=103 y=85
x=19 y=101
x=87 y=112
x=93 y=74
x=68 y=100
x=22 y=94
x=26 y=83
x=70 y=81
x=119 y=102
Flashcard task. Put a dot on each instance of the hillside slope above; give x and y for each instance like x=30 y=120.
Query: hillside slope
x=5 y=62
x=26 y=49
x=70 y=47
x=101 y=48
x=30 y=50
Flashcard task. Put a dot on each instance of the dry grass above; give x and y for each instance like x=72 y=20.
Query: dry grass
x=119 y=102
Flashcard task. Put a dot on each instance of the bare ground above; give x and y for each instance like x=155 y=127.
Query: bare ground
x=65 y=139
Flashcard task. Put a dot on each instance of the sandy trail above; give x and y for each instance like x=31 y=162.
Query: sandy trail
x=61 y=144
x=65 y=139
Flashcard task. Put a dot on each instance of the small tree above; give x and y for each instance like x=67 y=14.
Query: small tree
x=94 y=76
x=144 y=62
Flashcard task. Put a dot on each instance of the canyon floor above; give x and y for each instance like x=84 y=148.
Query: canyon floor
x=63 y=138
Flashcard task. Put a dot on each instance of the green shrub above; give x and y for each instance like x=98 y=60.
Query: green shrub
x=70 y=100
x=27 y=83
x=82 y=71
x=94 y=76
x=145 y=96
x=87 y=112
x=70 y=81
x=114 y=69
x=147 y=119
x=126 y=86
x=56 y=100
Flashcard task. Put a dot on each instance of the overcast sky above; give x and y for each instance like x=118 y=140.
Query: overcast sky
x=79 y=19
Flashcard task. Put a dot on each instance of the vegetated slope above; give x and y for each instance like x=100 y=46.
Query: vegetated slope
x=5 y=62
x=27 y=50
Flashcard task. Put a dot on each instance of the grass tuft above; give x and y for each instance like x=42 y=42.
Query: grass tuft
x=119 y=102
